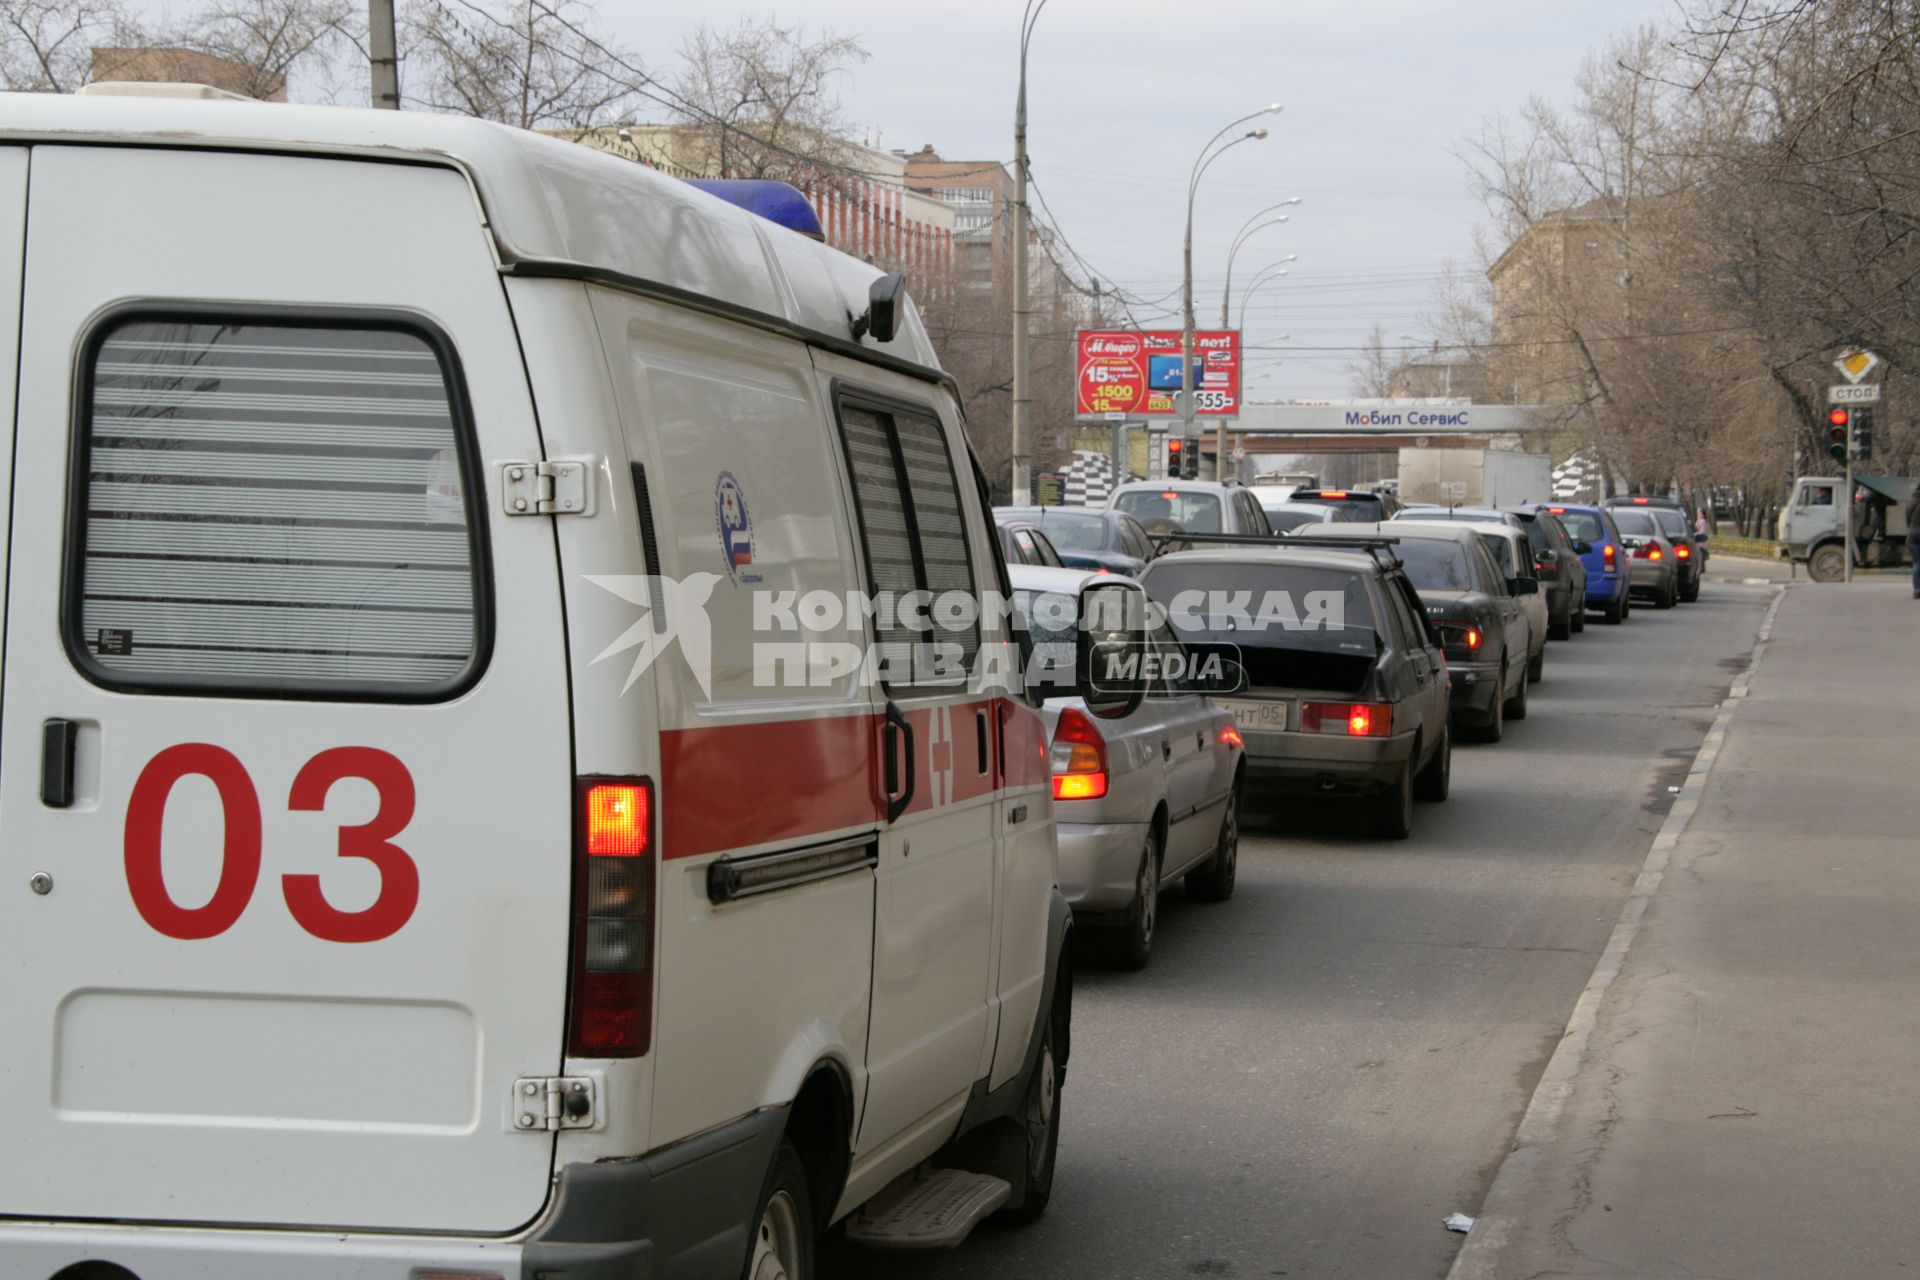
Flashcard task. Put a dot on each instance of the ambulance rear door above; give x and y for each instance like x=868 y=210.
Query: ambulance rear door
x=286 y=742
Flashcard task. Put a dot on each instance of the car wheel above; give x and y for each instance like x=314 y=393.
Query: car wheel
x=1495 y=727
x=1690 y=594
x=1214 y=882
x=1668 y=598
x=783 y=1231
x=1392 y=815
x=1516 y=707
x=1039 y=1121
x=1134 y=945
x=1614 y=614
x=1579 y=619
x=1537 y=667
x=1436 y=780
x=1561 y=628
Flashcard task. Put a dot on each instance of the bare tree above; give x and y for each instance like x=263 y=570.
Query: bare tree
x=530 y=63
x=46 y=46
x=764 y=99
x=1370 y=375
x=267 y=41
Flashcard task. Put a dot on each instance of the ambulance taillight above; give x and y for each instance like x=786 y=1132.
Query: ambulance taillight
x=612 y=1015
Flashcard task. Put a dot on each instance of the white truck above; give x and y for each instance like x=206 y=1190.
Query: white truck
x=1810 y=529
x=1474 y=477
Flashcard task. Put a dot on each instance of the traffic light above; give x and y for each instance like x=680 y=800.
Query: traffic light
x=1190 y=462
x=1838 y=423
x=1175 y=447
x=1863 y=432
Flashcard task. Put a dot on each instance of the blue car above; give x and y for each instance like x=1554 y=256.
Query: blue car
x=1604 y=556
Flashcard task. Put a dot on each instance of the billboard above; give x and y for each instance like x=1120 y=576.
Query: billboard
x=1135 y=373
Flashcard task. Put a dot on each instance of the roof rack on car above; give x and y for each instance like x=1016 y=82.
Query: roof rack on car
x=1282 y=542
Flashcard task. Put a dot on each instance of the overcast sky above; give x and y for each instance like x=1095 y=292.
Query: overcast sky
x=1123 y=94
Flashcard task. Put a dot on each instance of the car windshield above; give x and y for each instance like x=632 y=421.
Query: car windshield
x=1075 y=532
x=1434 y=565
x=1194 y=512
x=1638 y=524
x=1671 y=522
x=1357 y=507
x=1582 y=526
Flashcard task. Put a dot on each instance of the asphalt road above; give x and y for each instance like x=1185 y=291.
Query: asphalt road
x=1309 y=1078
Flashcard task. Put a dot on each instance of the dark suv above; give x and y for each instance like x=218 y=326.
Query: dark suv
x=1345 y=689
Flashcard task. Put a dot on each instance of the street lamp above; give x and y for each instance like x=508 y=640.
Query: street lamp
x=1208 y=154
x=1022 y=395
x=1266 y=275
x=1251 y=225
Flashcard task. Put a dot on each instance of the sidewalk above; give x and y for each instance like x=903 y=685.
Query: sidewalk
x=1738 y=1093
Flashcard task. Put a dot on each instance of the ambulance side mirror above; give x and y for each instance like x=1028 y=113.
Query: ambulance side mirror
x=1111 y=670
x=882 y=319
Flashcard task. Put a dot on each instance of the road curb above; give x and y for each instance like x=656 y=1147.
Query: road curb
x=1520 y=1169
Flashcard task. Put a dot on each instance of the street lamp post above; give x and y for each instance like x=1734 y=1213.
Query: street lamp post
x=1266 y=275
x=1208 y=154
x=1252 y=225
x=1022 y=394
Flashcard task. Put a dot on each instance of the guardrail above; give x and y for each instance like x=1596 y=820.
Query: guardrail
x=1758 y=548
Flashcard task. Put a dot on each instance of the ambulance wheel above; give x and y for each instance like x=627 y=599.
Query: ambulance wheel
x=1214 y=882
x=783 y=1244
x=1039 y=1121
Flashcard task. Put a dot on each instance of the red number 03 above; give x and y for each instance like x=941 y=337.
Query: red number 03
x=241 y=844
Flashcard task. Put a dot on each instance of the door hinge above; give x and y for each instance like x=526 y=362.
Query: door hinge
x=547 y=1104
x=547 y=488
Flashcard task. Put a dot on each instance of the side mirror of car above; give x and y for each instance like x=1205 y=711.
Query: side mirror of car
x=1583 y=548
x=883 y=308
x=1524 y=586
x=1111 y=671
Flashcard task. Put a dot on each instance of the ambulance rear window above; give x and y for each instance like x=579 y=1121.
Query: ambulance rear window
x=273 y=508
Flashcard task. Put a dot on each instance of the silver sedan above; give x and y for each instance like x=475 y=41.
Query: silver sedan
x=1141 y=801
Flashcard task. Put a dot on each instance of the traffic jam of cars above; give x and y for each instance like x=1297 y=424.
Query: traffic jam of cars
x=1443 y=624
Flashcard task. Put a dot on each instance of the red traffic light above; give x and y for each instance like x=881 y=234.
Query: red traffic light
x=1174 y=446
x=1839 y=417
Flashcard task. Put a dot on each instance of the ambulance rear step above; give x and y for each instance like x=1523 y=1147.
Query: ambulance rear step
x=928 y=1209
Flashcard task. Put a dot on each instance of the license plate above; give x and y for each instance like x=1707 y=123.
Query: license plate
x=1271 y=716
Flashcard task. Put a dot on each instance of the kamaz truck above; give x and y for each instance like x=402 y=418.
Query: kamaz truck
x=1813 y=532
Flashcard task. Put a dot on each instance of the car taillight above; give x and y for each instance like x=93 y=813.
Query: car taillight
x=1354 y=719
x=612 y=1014
x=1230 y=737
x=1647 y=551
x=1682 y=553
x=1547 y=568
x=1078 y=758
x=1473 y=638
x=1607 y=554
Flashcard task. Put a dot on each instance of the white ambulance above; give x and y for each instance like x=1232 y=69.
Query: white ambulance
x=407 y=869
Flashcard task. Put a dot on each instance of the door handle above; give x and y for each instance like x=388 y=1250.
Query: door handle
x=898 y=729
x=57 y=741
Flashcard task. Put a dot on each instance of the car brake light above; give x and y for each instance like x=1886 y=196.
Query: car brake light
x=1354 y=719
x=1078 y=758
x=1556 y=511
x=1230 y=737
x=1683 y=553
x=1607 y=554
x=1474 y=638
x=612 y=1013
x=1333 y=493
x=1639 y=502
x=1169 y=495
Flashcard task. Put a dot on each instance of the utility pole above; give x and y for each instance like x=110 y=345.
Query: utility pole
x=384 y=54
x=1022 y=392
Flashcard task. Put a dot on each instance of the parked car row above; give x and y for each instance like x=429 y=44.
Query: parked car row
x=1392 y=637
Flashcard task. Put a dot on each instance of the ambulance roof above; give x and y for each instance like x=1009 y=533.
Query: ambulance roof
x=550 y=206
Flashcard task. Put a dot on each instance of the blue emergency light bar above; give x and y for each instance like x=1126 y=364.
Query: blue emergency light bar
x=775 y=201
